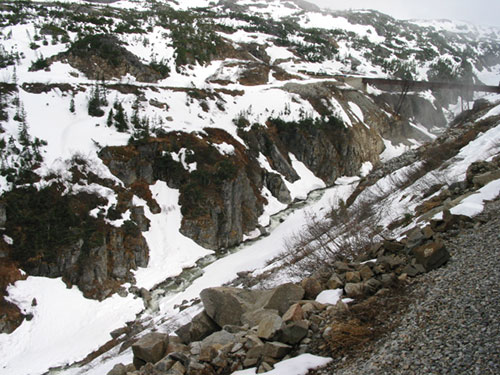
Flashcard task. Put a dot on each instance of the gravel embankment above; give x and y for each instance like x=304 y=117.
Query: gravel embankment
x=452 y=325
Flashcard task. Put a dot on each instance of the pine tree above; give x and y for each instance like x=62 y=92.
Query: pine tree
x=109 y=121
x=120 y=118
x=72 y=104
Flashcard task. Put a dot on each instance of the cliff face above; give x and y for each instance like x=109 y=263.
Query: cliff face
x=221 y=180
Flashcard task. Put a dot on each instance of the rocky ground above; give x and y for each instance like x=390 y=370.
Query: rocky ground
x=445 y=321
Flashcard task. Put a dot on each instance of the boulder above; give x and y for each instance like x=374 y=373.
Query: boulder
x=293 y=332
x=431 y=255
x=269 y=327
x=253 y=318
x=151 y=347
x=276 y=349
x=485 y=178
x=282 y=297
x=200 y=327
x=294 y=313
x=312 y=287
x=352 y=277
x=118 y=369
x=226 y=305
x=372 y=285
x=365 y=272
x=220 y=338
x=335 y=282
x=354 y=289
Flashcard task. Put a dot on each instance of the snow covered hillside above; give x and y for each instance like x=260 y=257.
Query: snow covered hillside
x=151 y=149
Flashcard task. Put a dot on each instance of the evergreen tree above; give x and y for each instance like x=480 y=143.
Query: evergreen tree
x=95 y=102
x=72 y=104
x=109 y=121
x=120 y=118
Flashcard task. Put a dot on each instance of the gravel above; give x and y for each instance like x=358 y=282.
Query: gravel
x=452 y=325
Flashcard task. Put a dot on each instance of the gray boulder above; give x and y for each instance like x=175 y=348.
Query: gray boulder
x=200 y=327
x=282 y=297
x=253 y=318
x=150 y=348
x=293 y=332
x=221 y=338
x=269 y=327
x=226 y=305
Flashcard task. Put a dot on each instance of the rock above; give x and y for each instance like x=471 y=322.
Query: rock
x=221 y=338
x=269 y=327
x=119 y=331
x=352 y=277
x=312 y=287
x=485 y=178
x=371 y=286
x=392 y=261
x=253 y=355
x=354 y=289
x=365 y=272
x=175 y=347
x=177 y=369
x=164 y=364
x=226 y=305
x=387 y=279
x=253 y=318
x=264 y=367
x=293 y=332
x=208 y=353
x=276 y=349
x=334 y=282
x=151 y=347
x=282 y=297
x=252 y=341
x=118 y=369
x=393 y=246
x=200 y=327
x=294 y=313
x=432 y=255
x=342 y=267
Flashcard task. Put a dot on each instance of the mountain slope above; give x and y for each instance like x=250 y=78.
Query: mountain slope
x=142 y=138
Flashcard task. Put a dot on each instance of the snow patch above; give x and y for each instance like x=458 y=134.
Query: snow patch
x=329 y=296
x=65 y=326
x=294 y=366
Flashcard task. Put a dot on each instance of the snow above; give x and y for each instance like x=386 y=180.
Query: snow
x=474 y=204
x=365 y=169
x=495 y=111
x=306 y=183
x=392 y=151
x=329 y=296
x=170 y=251
x=181 y=158
x=65 y=325
x=330 y=22
x=294 y=366
x=224 y=148
x=357 y=111
x=276 y=53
